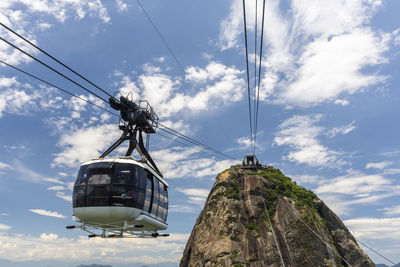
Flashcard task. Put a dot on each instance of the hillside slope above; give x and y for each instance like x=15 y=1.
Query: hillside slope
x=234 y=230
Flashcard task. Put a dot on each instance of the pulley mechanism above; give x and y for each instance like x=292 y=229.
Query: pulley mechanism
x=135 y=118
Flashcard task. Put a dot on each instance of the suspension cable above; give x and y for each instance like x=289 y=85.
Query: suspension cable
x=161 y=37
x=259 y=78
x=309 y=228
x=255 y=71
x=211 y=114
x=247 y=68
x=174 y=140
x=55 y=86
x=169 y=130
x=376 y=252
x=191 y=140
x=56 y=71
x=270 y=223
x=55 y=59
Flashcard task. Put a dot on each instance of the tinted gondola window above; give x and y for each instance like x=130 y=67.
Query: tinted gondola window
x=149 y=192
x=156 y=197
x=79 y=197
x=100 y=176
x=82 y=176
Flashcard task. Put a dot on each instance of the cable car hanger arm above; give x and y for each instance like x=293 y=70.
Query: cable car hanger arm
x=136 y=119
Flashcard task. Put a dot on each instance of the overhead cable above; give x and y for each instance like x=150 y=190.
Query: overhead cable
x=56 y=71
x=259 y=78
x=55 y=59
x=373 y=250
x=255 y=70
x=270 y=223
x=376 y=252
x=161 y=37
x=247 y=68
x=55 y=86
x=191 y=140
x=309 y=228
x=176 y=59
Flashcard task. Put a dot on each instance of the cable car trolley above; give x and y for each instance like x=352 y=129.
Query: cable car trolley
x=123 y=197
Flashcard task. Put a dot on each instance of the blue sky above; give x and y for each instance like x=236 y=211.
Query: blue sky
x=328 y=113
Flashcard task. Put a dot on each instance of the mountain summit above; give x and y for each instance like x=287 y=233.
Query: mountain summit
x=260 y=217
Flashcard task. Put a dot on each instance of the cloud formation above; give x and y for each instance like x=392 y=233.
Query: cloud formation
x=300 y=134
x=49 y=246
x=47 y=213
x=216 y=84
x=314 y=55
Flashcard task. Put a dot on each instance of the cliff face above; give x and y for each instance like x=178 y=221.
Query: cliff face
x=234 y=230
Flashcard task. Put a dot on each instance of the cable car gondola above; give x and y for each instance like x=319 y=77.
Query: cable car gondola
x=123 y=196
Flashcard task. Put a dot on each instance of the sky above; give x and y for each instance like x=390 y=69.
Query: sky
x=327 y=116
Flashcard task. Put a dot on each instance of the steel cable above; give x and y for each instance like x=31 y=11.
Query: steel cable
x=56 y=71
x=55 y=59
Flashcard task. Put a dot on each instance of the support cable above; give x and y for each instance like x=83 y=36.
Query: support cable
x=247 y=68
x=191 y=140
x=169 y=130
x=259 y=77
x=55 y=86
x=298 y=217
x=211 y=114
x=174 y=140
x=56 y=71
x=255 y=72
x=376 y=252
x=161 y=37
x=55 y=59
x=270 y=223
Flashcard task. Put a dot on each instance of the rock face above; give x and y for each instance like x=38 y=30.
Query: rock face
x=250 y=214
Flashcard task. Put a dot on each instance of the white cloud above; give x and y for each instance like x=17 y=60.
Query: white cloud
x=56 y=188
x=342 y=130
x=24 y=99
x=4 y=227
x=4 y=166
x=391 y=171
x=344 y=193
x=300 y=134
x=28 y=175
x=196 y=196
x=354 y=184
x=378 y=165
x=375 y=228
x=396 y=36
x=121 y=5
x=109 y=251
x=44 y=26
x=230 y=27
x=27 y=17
x=305 y=179
x=47 y=213
x=390 y=211
x=179 y=162
x=314 y=55
x=85 y=144
x=342 y=102
x=181 y=209
x=215 y=85
x=63 y=196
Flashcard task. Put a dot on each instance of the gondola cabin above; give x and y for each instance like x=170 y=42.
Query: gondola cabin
x=120 y=195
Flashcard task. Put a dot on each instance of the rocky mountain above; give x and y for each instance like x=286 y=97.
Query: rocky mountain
x=262 y=218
